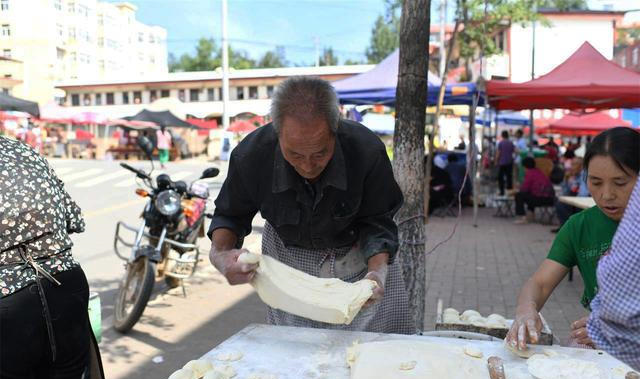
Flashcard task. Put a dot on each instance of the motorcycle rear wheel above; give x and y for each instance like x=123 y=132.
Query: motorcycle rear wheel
x=133 y=294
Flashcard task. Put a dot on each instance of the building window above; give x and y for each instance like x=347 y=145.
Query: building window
x=140 y=37
x=181 y=95
x=5 y=91
x=72 y=33
x=194 y=95
x=269 y=92
x=86 y=99
x=151 y=38
x=6 y=30
x=636 y=56
x=110 y=98
x=253 y=92
x=125 y=98
x=71 y=7
x=4 y=5
x=72 y=57
x=137 y=97
x=240 y=93
x=210 y=94
x=153 y=95
x=98 y=99
x=6 y=53
x=57 y=4
x=60 y=30
x=623 y=60
x=165 y=93
x=152 y=59
x=75 y=100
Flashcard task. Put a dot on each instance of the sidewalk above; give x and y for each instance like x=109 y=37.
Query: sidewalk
x=481 y=268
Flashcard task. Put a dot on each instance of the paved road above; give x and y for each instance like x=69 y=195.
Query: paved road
x=105 y=192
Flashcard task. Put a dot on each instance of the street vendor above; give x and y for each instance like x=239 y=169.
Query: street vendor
x=612 y=163
x=326 y=189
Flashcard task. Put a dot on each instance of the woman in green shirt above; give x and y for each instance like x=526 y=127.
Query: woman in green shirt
x=612 y=163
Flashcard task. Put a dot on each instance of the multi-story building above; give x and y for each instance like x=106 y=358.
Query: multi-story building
x=77 y=39
x=629 y=56
x=199 y=93
x=10 y=74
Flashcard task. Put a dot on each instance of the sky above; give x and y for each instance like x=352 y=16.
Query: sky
x=257 y=26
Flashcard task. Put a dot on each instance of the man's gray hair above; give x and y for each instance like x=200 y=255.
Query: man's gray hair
x=305 y=98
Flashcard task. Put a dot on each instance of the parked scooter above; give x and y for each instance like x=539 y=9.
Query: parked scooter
x=165 y=242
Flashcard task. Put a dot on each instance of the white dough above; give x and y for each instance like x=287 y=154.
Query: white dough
x=451 y=311
x=230 y=356
x=473 y=351
x=496 y=317
x=466 y=315
x=214 y=374
x=451 y=318
x=199 y=367
x=249 y=258
x=544 y=367
x=228 y=371
x=409 y=365
x=528 y=353
x=480 y=322
x=387 y=359
x=183 y=373
x=321 y=299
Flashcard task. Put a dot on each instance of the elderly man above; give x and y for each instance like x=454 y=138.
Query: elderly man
x=327 y=191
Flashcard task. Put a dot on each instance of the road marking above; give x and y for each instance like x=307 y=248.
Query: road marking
x=104 y=178
x=62 y=170
x=81 y=174
x=102 y=211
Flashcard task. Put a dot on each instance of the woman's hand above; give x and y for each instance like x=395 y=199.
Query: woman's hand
x=526 y=327
x=579 y=332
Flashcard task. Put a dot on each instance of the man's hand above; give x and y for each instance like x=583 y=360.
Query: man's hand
x=378 y=273
x=579 y=332
x=227 y=263
x=526 y=327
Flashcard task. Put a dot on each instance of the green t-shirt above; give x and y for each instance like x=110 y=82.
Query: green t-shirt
x=581 y=242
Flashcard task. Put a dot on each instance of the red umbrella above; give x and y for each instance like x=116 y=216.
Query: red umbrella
x=84 y=135
x=241 y=126
x=578 y=124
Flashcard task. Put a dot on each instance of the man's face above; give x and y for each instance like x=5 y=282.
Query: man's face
x=307 y=145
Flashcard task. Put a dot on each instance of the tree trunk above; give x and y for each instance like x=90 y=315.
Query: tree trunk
x=408 y=141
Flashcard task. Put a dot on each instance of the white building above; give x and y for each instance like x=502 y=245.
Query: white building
x=77 y=39
x=554 y=43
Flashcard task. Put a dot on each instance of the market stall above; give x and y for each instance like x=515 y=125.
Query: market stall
x=583 y=124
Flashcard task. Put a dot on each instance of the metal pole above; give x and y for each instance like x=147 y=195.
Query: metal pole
x=317 y=45
x=533 y=74
x=225 y=68
x=443 y=23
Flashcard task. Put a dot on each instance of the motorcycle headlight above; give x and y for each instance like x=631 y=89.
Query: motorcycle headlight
x=168 y=203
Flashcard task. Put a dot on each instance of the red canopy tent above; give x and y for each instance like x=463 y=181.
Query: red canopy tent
x=585 y=80
x=203 y=125
x=241 y=126
x=578 y=124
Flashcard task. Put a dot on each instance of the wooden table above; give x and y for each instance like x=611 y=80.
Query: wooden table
x=582 y=202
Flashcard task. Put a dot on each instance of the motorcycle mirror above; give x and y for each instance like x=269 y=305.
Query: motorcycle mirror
x=180 y=186
x=211 y=172
x=146 y=145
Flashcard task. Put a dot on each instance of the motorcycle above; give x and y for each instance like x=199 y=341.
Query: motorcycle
x=165 y=242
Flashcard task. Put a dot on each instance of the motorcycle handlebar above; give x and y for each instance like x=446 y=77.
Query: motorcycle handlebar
x=139 y=173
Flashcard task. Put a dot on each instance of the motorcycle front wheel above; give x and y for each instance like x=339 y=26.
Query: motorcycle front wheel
x=133 y=294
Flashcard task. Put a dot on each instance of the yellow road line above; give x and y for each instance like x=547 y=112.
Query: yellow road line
x=102 y=211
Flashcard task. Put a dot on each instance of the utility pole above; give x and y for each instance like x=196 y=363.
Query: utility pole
x=225 y=68
x=316 y=42
x=533 y=73
x=443 y=24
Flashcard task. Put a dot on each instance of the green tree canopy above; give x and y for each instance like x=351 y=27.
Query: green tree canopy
x=272 y=59
x=208 y=57
x=384 y=40
x=328 y=58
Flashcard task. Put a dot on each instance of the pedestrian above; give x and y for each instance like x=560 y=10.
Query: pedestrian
x=44 y=294
x=536 y=191
x=326 y=189
x=614 y=323
x=611 y=163
x=504 y=161
x=163 y=145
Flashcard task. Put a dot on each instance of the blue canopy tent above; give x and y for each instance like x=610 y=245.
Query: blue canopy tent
x=378 y=86
x=505 y=119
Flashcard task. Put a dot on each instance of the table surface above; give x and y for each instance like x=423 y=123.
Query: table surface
x=582 y=202
x=290 y=352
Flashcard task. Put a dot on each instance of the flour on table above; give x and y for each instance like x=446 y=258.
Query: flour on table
x=384 y=359
x=229 y=356
x=408 y=365
x=543 y=367
x=262 y=375
x=328 y=300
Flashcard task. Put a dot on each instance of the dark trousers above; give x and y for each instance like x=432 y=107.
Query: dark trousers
x=526 y=198
x=25 y=348
x=564 y=211
x=505 y=176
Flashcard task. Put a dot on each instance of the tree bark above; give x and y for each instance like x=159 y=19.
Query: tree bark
x=408 y=141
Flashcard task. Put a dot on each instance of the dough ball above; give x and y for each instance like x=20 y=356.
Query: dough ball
x=183 y=373
x=496 y=317
x=528 y=353
x=227 y=370
x=199 y=367
x=479 y=321
x=466 y=315
x=248 y=258
x=496 y=324
x=450 y=318
x=473 y=351
x=408 y=365
x=229 y=356
x=214 y=374
x=451 y=311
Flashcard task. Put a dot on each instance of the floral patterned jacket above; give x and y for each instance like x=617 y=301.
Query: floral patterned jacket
x=36 y=217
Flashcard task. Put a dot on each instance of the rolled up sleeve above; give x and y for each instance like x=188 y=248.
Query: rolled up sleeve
x=235 y=208
x=381 y=199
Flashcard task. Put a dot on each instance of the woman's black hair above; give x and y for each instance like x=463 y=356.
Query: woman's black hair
x=529 y=163
x=621 y=144
x=569 y=154
x=505 y=134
